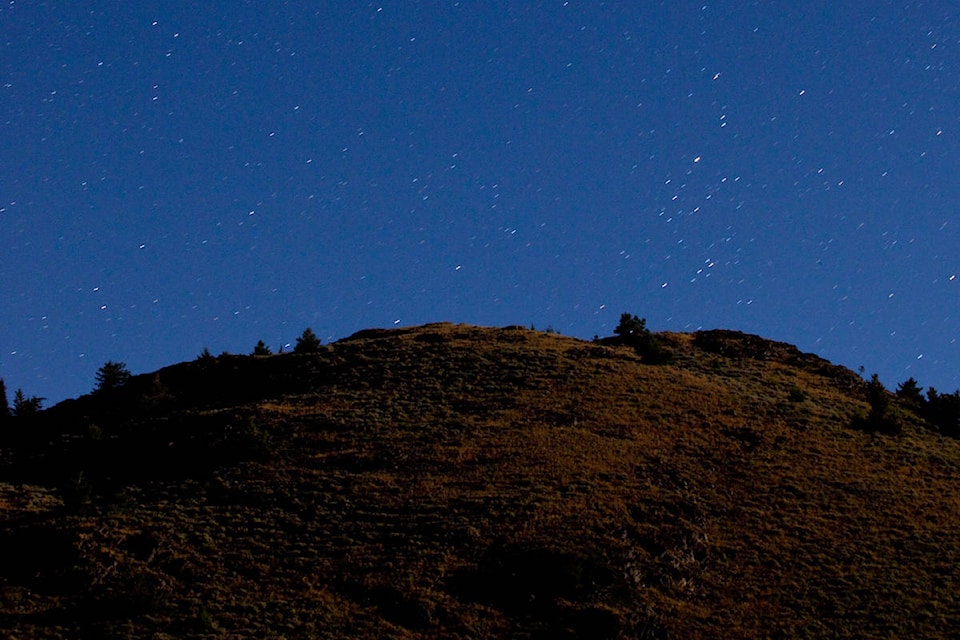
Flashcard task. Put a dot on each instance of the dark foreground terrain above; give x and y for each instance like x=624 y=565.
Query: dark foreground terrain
x=450 y=481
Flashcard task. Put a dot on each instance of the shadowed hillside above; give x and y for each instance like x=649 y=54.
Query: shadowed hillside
x=450 y=481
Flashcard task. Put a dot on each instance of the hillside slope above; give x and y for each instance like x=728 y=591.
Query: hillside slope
x=462 y=482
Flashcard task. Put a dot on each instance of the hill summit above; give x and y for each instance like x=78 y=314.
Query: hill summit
x=451 y=481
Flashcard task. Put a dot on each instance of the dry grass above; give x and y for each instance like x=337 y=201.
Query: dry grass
x=459 y=482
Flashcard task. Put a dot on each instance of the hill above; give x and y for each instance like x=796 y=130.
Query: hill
x=450 y=481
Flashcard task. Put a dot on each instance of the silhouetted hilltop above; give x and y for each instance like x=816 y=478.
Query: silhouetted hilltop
x=451 y=481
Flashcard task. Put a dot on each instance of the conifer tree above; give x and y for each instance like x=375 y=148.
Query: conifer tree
x=910 y=392
x=308 y=342
x=112 y=375
x=24 y=406
x=4 y=404
x=879 y=418
x=262 y=349
x=877 y=398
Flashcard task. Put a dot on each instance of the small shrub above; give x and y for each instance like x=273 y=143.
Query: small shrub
x=523 y=579
x=204 y=621
x=155 y=395
x=76 y=491
x=797 y=394
x=243 y=440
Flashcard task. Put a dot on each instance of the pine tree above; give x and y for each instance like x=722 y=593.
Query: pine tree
x=4 y=404
x=877 y=399
x=943 y=411
x=911 y=393
x=308 y=342
x=112 y=375
x=879 y=418
x=24 y=406
x=262 y=349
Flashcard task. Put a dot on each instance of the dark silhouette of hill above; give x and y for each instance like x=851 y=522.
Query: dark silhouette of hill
x=450 y=481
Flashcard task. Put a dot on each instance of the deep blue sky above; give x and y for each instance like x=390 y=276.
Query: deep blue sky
x=181 y=175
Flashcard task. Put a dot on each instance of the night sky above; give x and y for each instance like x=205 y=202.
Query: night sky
x=177 y=176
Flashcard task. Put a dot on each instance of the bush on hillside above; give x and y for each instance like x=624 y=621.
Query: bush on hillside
x=632 y=331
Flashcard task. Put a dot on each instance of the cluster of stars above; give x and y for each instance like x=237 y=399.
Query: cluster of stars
x=475 y=165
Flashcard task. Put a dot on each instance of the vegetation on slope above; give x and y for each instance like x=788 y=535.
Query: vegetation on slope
x=462 y=482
